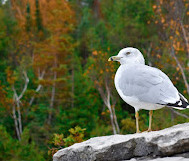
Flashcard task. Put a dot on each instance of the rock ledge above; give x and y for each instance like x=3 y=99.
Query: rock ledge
x=173 y=141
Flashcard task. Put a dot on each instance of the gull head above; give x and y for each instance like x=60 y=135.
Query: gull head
x=128 y=55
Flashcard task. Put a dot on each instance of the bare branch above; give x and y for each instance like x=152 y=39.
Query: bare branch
x=115 y=119
x=148 y=54
x=15 y=120
x=15 y=93
x=181 y=69
x=108 y=93
x=19 y=117
x=16 y=98
x=53 y=91
x=185 y=38
x=178 y=113
x=25 y=86
x=40 y=77
x=112 y=116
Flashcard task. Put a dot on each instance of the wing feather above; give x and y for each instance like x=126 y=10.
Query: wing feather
x=148 y=84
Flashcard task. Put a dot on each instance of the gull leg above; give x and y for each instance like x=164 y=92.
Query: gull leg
x=137 y=125
x=150 y=121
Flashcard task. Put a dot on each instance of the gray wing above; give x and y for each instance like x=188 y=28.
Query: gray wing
x=148 y=84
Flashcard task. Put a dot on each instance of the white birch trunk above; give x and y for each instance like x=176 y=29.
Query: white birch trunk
x=15 y=121
x=18 y=117
x=40 y=77
x=115 y=119
x=53 y=91
x=107 y=102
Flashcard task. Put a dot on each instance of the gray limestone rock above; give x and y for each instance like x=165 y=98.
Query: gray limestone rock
x=144 y=146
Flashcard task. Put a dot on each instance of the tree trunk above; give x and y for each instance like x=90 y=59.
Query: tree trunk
x=53 y=91
x=73 y=74
x=106 y=99
x=115 y=119
x=112 y=119
x=16 y=98
x=107 y=102
x=15 y=120
x=19 y=118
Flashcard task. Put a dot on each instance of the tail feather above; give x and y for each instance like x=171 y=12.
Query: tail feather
x=181 y=104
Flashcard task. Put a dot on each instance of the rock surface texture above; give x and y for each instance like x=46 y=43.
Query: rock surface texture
x=168 y=144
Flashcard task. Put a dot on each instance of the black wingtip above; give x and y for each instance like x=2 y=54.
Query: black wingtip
x=181 y=104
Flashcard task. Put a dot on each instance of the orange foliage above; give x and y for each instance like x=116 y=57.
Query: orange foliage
x=10 y=78
x=101 y=71
x=48 y=49
x=170 y=25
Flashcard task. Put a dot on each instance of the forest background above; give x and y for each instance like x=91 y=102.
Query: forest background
x=56 y=85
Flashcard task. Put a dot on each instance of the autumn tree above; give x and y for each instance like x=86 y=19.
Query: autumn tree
x=172 y=21
x=102 y=74
x=41 y=46
x=58 y=20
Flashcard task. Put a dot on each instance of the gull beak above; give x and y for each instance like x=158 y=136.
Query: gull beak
x=114 y=58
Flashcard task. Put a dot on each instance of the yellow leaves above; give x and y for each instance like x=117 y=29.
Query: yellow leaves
x=162 y=20
x=85 y=74
x=100 y=71
x=172 y=22
x=186 y=4
x=177 y=32
x=96 y=82
x=158 y=56
x=103 y=113
x=58 y=139
x=174 y=45
x=45 y=82
x=154 y=6
x=56 y=15
x=10 y=78
x=128 y=125
x=177 y=46
x=187 y=13
x=95 y=53
x=177 y=68
x=3 y=99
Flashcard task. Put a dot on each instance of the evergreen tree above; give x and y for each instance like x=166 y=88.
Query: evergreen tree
x=38 y=16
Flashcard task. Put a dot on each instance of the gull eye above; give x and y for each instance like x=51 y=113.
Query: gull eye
x=127 y=53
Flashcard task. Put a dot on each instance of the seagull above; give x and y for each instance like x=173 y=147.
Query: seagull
x=143 y=86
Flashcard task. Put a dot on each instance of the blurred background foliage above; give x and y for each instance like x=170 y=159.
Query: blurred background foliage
x=56 y=85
